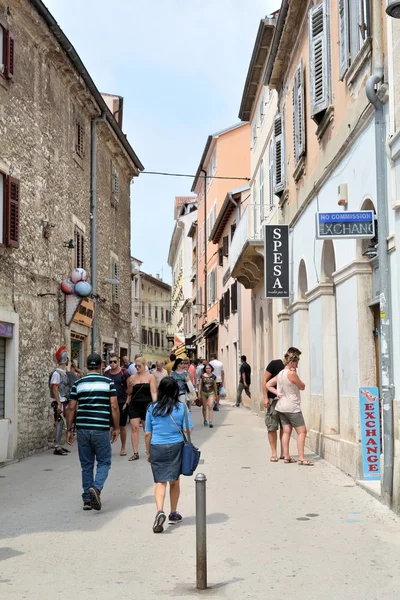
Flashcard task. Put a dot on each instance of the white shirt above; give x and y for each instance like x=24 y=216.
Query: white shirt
x=56 y=379
x=218 y=368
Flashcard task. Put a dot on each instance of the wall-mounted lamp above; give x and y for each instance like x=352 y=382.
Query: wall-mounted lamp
x=70 y=244
x=371 y=250
x=393 y=9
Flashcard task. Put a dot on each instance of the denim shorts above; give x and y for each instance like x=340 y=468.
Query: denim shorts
x=166 y=461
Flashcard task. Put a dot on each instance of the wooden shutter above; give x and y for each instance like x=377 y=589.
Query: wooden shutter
x=221 y=256
x=227 y=304
x=12 y=203
x=233 y=229
x=10 y=55
x=115 y=183
x=79 y=138
x=299 y=121
x=344 y=41
x=271 y=175
x=221 y=310
x=320 y=75
x=279 y=165
x=115 y=287
x=225 y=245
x=234 y=297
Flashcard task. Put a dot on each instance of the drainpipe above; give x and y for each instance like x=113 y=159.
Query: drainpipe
x=205 y=245
x=385 y=346
x=93 y=222
x=239 y=295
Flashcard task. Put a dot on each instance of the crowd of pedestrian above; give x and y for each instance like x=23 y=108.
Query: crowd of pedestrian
x=158 y=397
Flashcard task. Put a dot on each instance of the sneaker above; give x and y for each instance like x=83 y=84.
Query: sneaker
x=158 y=525
x=66 y=450
x=94 y=494
x=205 y=422
x=60 y=452
x=174 y=518
x=216 y=408
x=211 y=426
x=87 y=505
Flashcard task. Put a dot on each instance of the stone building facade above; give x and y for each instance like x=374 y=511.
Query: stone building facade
x=155 y=315
x=55 y=205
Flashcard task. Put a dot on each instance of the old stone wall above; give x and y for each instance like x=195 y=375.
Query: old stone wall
x=39 y=109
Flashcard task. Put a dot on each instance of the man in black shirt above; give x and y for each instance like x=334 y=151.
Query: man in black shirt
x=244 y=380
x=272 y=417
x=119 y=379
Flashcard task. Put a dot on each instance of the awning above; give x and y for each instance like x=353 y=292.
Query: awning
x=211 y=328
x=180 y=350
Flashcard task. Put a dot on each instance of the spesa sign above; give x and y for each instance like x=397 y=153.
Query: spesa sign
x=370 y=433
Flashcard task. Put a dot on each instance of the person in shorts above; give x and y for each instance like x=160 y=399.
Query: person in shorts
x=208 y=393
x=272 y=419
x=219 y=373
x=287 y=385
x=142 y=391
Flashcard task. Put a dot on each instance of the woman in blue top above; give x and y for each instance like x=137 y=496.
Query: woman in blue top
x=165 y=419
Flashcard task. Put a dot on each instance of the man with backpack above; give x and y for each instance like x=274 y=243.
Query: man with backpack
x=60 y=388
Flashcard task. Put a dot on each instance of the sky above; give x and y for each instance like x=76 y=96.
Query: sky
x=180 y=66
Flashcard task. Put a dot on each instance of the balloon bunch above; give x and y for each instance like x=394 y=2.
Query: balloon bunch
x=77 y=284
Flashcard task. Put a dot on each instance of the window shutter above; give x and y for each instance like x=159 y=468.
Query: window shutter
x=233 y=229
x=225 y=245
x=299 y=124
x=234 y=297
x=115 y=287
x=10 y=55
x=221 y=256
x=227 y=303
x=320 y=75
x=12 y=212
x=115 y=183
x=221 y=310
x=279 y=175
x=357 y=25
x=344 y=41
x=271 y=175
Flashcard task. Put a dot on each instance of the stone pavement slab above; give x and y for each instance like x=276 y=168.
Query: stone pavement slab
x=274 y=530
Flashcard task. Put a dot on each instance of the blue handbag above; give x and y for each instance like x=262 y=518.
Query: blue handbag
x=190 y=454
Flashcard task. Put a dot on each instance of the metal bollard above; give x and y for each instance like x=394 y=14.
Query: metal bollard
x=201 y=533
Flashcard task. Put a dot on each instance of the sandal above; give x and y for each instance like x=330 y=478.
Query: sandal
x=305 y=463
x=122 y=453
x=273 y=460
x=135 y=456
x=289 y=460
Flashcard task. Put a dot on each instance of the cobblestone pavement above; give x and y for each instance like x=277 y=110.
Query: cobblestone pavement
x=274 y=530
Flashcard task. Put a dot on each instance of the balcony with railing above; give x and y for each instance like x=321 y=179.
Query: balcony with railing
x=246 y=256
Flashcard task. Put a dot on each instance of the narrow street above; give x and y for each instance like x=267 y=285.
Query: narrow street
x=274 y=530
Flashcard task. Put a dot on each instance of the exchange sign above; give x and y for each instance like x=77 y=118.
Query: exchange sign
x=359 y=224
x=276 y=261
x=370 y=432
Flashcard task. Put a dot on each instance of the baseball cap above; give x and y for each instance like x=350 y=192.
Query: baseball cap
x=93 y=360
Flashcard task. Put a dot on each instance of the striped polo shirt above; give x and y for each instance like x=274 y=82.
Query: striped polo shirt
x=93 y=393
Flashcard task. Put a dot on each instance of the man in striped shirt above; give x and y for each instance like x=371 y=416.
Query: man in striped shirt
x=94 y=400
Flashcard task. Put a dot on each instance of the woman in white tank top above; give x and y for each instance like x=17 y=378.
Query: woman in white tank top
x=287 y=385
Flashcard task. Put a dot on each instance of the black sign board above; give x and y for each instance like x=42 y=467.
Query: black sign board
x=276 y=261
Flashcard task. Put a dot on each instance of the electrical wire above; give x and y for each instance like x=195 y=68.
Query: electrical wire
x=192 y=176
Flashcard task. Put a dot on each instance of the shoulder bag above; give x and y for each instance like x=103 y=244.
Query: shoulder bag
x=190 y=454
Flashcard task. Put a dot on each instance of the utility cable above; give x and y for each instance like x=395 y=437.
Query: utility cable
x=192 y=176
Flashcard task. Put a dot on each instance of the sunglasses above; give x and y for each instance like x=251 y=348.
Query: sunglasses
x=113 y=361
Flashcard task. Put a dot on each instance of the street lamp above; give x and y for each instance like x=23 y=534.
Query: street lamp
x=393 y=9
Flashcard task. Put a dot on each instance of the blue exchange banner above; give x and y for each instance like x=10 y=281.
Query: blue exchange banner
x=370 y=433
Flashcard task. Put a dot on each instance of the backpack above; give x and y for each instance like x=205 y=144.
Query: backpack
x=64 y=387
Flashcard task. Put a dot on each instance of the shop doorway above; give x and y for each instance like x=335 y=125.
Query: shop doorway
x=78 y=348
